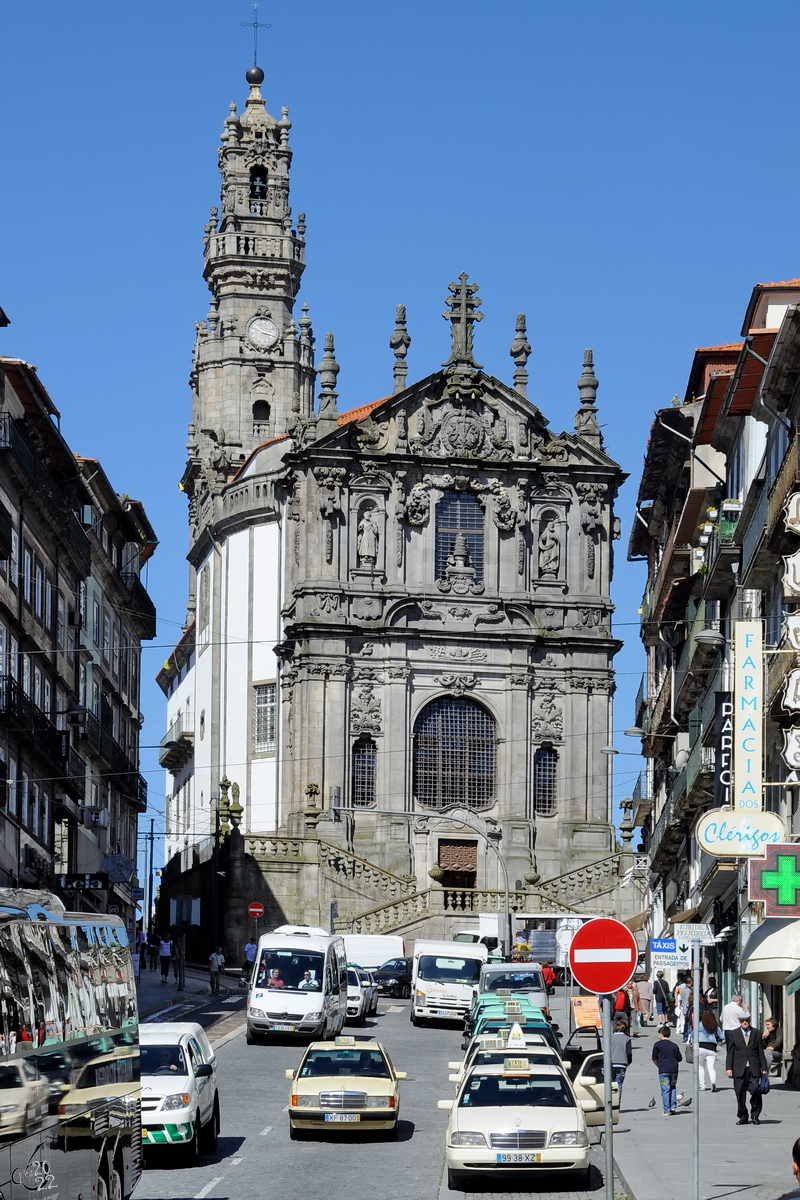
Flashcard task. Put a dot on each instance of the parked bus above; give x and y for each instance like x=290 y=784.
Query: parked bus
x=70 y=1112
x=298 y=984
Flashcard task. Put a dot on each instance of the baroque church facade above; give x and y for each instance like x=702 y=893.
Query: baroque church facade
x=397 y=614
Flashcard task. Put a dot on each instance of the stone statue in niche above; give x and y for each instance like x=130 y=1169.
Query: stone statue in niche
x=549 y=550
x=367 y=540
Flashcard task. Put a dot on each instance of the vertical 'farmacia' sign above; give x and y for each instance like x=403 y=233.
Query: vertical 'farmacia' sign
x=748 y=714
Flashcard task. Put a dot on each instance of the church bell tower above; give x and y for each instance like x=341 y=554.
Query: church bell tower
x=253 y=367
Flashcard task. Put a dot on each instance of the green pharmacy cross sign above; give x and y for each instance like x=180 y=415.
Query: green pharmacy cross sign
x=775 y=880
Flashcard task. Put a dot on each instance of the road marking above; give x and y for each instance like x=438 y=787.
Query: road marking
x=232 y=1000
x=228 y=1037
x=621 y=954
x=204 y=1191
x=172 y=1008
x=395 y=1008
x=267 y=1129
x=285 y=1109
x=235 y=1162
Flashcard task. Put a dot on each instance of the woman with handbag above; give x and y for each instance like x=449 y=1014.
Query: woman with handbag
x=710 y=1037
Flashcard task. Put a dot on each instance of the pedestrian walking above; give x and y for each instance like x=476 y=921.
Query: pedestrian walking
x=712 y=994
x=681 y=999
x=164 y=954
x=549 y=978
x=216 y=967
x=732 y=1012
x=645 y=990
x=152 y=947
x=667 y=1057
x=621 y=1054
x=745 y=1065
x=663 y=998
x=141 y=948
x=710 y=1037
x=772 y=1041
x=794 y=1194
x=176 y=959
x=622 y=1007
x=249 y=958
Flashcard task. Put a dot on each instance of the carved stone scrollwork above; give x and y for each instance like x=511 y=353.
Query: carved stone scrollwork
x=604 y=686
x=547 y=720
x=326 y=602
x=490 y=615
x=365 y=711
x=418 y=504
x=399 y=672
x=459 y=611
x=458 y=684
x=329 y=481
x=591 y=500
x=551 y=449
x=590 y=616
x=476 y=430
x=505 y=517
x=519 y=679
x=459 y=652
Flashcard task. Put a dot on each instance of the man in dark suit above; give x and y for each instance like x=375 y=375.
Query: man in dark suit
x=745 y=1064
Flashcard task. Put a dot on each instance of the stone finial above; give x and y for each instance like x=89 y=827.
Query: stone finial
x=520 y=351
x=399 y=343
x=586 y=417
x=463 y=305
x=301 y=224
x=328 y=418
x=306 y=332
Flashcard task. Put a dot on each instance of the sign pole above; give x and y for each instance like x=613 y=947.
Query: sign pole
x=696 y=1070
x=607 y=1097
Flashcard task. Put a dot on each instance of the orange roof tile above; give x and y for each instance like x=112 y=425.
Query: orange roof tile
x=728 y=346
x=793 y=283
x=282 y=437
x=357 y=414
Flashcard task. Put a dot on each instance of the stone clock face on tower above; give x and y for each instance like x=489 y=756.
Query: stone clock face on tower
x=262 y=333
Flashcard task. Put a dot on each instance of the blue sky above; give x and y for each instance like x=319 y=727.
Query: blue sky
x=621 y=172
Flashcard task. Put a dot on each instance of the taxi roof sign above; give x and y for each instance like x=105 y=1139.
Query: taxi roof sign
x=345 y=1041
x=513 y=1006
x=516 y=1038
x=516 y=1066
x=503 y=992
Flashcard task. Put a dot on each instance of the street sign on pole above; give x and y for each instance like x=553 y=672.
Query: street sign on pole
x=698 y=932
x=603 y=955
x=665 y=954
x=256 y=909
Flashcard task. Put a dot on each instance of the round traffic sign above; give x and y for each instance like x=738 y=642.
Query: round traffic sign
x=603 y=955
x=256 y=909
x=113 y=910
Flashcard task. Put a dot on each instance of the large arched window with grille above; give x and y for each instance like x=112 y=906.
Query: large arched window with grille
x=455 y=754
x=362 y=777
x=545 y=781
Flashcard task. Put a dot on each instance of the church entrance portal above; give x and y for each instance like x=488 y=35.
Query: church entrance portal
x=459 y=861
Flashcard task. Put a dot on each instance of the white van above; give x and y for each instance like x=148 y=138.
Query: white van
x=370 y=950
x=298 y=985
x=444 y=979
x=180 y=1101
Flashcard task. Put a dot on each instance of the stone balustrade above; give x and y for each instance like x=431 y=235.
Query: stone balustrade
x=364 y=875
x=283 y=849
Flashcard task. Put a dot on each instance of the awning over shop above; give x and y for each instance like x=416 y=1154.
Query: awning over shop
x=772 y=951
x=793 y=982
x=681 y=917
x=636 y=923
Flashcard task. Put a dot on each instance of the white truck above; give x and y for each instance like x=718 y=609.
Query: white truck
x=444 y=979
x=370 y=950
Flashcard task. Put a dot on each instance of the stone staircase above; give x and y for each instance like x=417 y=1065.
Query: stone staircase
x=352 y=881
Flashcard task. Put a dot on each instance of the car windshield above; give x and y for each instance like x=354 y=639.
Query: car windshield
x=163 y=1060
x=515 y=981
x=293 y=970
x=435 y=968
x=394 y=964
x=503 y=1091
x=10 y=1077
x=352 y=978
x=344 y=1062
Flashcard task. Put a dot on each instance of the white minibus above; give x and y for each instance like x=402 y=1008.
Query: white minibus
x=298 y=985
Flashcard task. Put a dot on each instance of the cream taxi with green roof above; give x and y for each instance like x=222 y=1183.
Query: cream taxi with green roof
x=346 y=1083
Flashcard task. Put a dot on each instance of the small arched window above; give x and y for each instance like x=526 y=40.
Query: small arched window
x=454 y=754
x=545 y=781
x=258 y=183
x=260 y=419
x=362 y=782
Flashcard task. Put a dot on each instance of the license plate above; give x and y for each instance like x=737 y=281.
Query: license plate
x=348 y=1117
x=283 y=1028
x=518 y=1158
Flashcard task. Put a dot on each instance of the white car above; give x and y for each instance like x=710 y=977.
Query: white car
x=357 y=998
x=512 y=1116
x=370 y=986
x=24 y=1096
x=180 y=1100
x=485 y=1050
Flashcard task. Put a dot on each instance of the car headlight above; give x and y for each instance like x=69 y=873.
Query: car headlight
x=380 y=1102
x=569 y=1137
x=317 y=1016
x=387 y=982
x=9 y=1108
x=179 y=1100
x=254 y=1011
x=467 y=1139
x=420 y=995
x=305 y=1102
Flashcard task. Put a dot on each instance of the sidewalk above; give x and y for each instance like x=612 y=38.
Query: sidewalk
x=154 y=996
x=653 y=1153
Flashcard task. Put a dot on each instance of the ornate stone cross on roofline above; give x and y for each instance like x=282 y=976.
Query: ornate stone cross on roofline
x=255 y=25
x=463 y=314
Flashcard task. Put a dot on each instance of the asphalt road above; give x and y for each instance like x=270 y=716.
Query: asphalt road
x=256 y=1159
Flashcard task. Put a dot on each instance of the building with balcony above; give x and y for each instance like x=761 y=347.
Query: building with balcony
x=73 y=613
x=712 y=527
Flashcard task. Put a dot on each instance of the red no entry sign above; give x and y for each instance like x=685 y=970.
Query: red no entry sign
x=256 y=909
x=603 y=955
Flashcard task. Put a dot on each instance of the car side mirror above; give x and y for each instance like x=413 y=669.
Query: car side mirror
x=454 y=1066
x=204 y=1071
x=289 y=1073
x=588 y=1105
x=447 y=1105
x=587 y=1081
x=453 y=1078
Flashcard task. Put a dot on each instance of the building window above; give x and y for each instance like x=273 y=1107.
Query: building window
x=38 y=592
x=23 y=814
x=14 y=580
x=106 y=637
x=362 y=788
x=34 y=809
x=204 y=604
x=545 y=781
x=48 y=602
x=60 y=622
x=12 y=786
x=47 y=699
x=459 y=513
x=96 y=622
x=37 y=687
x=27 y=575
x=26 y=674
x=454 y=754
x=264 y=706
